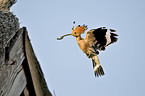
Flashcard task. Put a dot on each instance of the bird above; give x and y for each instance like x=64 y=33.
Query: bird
x=96 y=40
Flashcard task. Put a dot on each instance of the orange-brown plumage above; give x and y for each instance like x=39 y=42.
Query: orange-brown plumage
x=95 y=41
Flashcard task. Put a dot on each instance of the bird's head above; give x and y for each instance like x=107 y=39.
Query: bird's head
x=76 y=32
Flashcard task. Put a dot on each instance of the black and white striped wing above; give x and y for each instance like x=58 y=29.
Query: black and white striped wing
x=101 y=37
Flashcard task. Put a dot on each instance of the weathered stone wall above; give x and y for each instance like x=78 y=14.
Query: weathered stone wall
x=9 y=25
x=6 y=4
x=20 y=71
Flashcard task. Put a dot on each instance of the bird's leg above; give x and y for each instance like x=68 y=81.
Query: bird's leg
x=92 y=52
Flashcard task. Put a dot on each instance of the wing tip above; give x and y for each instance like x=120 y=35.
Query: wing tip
x=112 y=30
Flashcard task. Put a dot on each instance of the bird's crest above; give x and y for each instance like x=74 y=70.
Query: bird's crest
x=79 y=29
x=96 y=40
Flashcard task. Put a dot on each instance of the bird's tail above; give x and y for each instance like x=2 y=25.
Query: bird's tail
x=98 y=70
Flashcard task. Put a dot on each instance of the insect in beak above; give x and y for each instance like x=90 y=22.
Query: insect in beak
x=63 y=36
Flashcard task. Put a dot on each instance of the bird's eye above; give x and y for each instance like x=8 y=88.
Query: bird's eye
x=75 y=33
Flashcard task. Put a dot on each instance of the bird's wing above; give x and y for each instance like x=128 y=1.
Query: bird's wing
x=101 y=37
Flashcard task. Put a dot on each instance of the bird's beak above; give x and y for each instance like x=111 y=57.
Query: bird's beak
x=63 y=36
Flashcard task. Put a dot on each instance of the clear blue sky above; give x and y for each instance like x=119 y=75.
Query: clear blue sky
x=66 y=68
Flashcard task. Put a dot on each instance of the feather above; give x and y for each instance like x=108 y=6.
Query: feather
x=98 y=70
x=96 y=40
x=102 y=38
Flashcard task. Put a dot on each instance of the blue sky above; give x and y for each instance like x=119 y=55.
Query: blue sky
x=66 y=68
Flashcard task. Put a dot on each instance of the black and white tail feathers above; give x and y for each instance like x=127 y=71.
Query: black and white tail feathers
x=102 y=38
x=98 y=70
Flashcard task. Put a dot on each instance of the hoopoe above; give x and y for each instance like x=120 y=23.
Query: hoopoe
x=96 y=40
